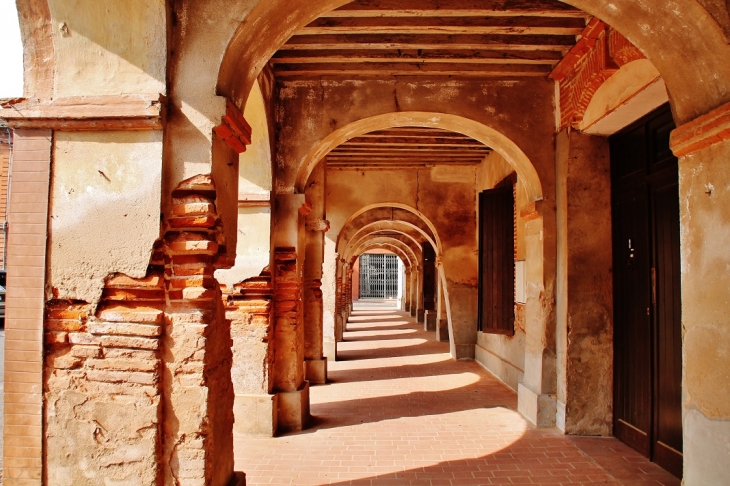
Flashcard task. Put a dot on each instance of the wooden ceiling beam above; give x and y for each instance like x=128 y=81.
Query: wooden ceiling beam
x=455 y=8
x=420 y=55
x=416 y=132
x=411 y=142
x=431 y=41
x=446 y=25
x=403 y=69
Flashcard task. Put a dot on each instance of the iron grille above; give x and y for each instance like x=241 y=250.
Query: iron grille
x=378 y=276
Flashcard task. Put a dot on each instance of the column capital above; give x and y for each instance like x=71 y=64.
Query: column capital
x=702 y=132
x=317 y=224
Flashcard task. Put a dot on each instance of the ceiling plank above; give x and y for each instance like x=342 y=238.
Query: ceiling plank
x=431 y=41
x=445 y=25
x=420 y=55
x=403 y=69
x=455 y=8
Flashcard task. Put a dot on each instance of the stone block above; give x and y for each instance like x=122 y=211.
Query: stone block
x=293 y=409
x=316 y=371
x=255 y=415
x=540 y=410
x=442 y=331
x=329 y=350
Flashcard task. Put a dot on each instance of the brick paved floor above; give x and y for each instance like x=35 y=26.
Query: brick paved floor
x=399 y=411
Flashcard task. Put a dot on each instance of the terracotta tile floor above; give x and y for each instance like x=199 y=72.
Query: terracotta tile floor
x=399 y=411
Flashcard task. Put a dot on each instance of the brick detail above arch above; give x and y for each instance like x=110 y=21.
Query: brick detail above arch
x=702 y=132
x=599 y=53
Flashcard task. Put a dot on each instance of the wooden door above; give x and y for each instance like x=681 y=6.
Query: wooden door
x=647 y=304
x=496 y=261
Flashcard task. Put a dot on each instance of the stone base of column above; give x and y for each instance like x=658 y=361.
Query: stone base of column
x=429 y=321
x=238 y=479
x=420 y=314
x=540 y=410
x=413 y=311
x=255 y=415
x=464 y=351
x=442 y=331
x=407 y=307
x=329 y=350
x=315 y=371
x=294 y=409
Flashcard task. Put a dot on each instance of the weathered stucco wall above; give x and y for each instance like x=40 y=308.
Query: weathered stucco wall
x=504 y=356
x=252 y=247
x=704 y=184
x=109 y=48
x=105 y=209
x=584 y=296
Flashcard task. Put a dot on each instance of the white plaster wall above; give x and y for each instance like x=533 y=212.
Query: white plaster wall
x=252 y=246
x=105 y=209
x=109 y=48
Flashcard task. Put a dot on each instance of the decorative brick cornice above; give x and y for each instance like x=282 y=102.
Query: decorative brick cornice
x=599 y=53
x=84 y=113
x=234 y=130
x=702 y=132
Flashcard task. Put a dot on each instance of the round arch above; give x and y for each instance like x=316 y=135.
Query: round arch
x=391 y=246
x=405 y=240
x=455 y=123
x=684 y=35
x=413 y=233
x=376 y=218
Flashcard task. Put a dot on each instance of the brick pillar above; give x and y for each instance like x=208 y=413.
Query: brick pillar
x=249 y=309
x=407 y=291
x=442 y=323
x=27 y=228
x=339 y=296
x=198 y=392
x=289 y=380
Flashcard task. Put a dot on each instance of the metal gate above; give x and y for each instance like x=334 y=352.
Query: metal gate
x=378 y=276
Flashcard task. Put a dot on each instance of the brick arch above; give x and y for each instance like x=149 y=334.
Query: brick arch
x=399 y=248
x=406 y=240
x=415 y=233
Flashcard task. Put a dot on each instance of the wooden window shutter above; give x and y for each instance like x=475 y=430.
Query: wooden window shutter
x=496 y=261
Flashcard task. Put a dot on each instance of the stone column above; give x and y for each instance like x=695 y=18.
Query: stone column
x=339 y=324
x=442 y=324
x=329 y=300
x=536 y=395
x=703 y=148
x=419 y=295
x=414 y=290
x=584 y=295
x=288 y=374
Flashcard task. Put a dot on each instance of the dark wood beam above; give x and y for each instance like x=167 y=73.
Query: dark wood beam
x=460 y=8
x=419 y=55
x=403 y=69
x=446 y=25
x=432 y=41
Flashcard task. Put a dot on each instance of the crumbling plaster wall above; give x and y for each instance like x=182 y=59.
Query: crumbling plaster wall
x=504 y=356
x=704 y=185
x=105 y=184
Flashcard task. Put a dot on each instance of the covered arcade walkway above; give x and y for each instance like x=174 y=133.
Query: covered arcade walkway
x=400 y=411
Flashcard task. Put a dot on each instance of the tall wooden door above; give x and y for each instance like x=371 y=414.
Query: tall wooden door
x=647 y=313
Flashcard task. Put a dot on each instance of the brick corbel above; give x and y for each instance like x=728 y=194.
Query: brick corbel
x=234 y=130
x=702 y=132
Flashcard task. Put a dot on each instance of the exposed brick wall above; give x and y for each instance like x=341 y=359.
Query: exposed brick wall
x=5 y=150
x=599 y=53
x=24 y=310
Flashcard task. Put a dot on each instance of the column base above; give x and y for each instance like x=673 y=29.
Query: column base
x=255 y=415
x=540 y=410
x=464 y=351
x=429 y=321
x=315 y=371
x=442 y=332
x=420 y=313
x=293 y=410
x=413 y=311
x=329 y=350
x=237 y=479
x=407 y=307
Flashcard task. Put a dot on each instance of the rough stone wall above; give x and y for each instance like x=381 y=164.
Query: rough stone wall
x=584 y=290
